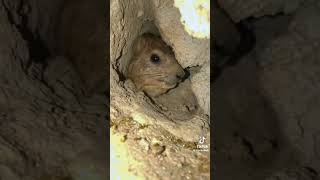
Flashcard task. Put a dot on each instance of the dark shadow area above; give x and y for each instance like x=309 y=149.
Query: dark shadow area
x=249 y=142
x=54 y=90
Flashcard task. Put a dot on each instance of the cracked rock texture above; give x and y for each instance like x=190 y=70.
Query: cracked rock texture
x=46 y=122
x=242 y=9
x=267 y=106
x=129 y=20
x=178 y=134
x=294 y=59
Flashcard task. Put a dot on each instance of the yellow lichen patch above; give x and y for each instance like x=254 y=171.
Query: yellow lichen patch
x=139 y=118
x=204 y=166
x=195 y=16
x=123 y=125
x=120 y=159
x=174 y=140
x=126 y=124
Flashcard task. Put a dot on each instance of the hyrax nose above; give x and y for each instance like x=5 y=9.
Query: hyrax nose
x=180 y=74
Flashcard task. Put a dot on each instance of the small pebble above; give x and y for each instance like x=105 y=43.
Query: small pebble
x=143 y=142
x=123 y=138
x=157 y=149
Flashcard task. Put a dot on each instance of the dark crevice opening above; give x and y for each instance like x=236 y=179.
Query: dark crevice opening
x=246 y=45
x=314 y=174
x=250 y=148
x=38 y=50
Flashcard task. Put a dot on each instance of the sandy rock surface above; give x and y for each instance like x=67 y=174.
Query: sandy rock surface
x=266 y=107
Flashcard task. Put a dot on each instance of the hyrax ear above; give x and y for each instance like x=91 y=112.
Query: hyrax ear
x=139 y=44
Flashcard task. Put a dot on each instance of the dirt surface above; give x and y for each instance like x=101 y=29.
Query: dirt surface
x=160 y=154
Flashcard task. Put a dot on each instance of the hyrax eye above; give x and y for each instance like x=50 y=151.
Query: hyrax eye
x=155 y=59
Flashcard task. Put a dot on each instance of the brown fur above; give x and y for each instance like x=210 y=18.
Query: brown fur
x=154 y=79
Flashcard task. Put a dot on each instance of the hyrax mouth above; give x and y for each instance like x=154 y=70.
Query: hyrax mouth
x=172 y=86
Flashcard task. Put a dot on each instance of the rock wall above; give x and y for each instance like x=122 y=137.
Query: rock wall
x=293 y=59
x=239 y=10
x=46 y=123
x=151 y=136
x=267 y=108
x=134 y=18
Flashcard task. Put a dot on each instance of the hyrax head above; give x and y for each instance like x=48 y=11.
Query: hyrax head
x=153 y=67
